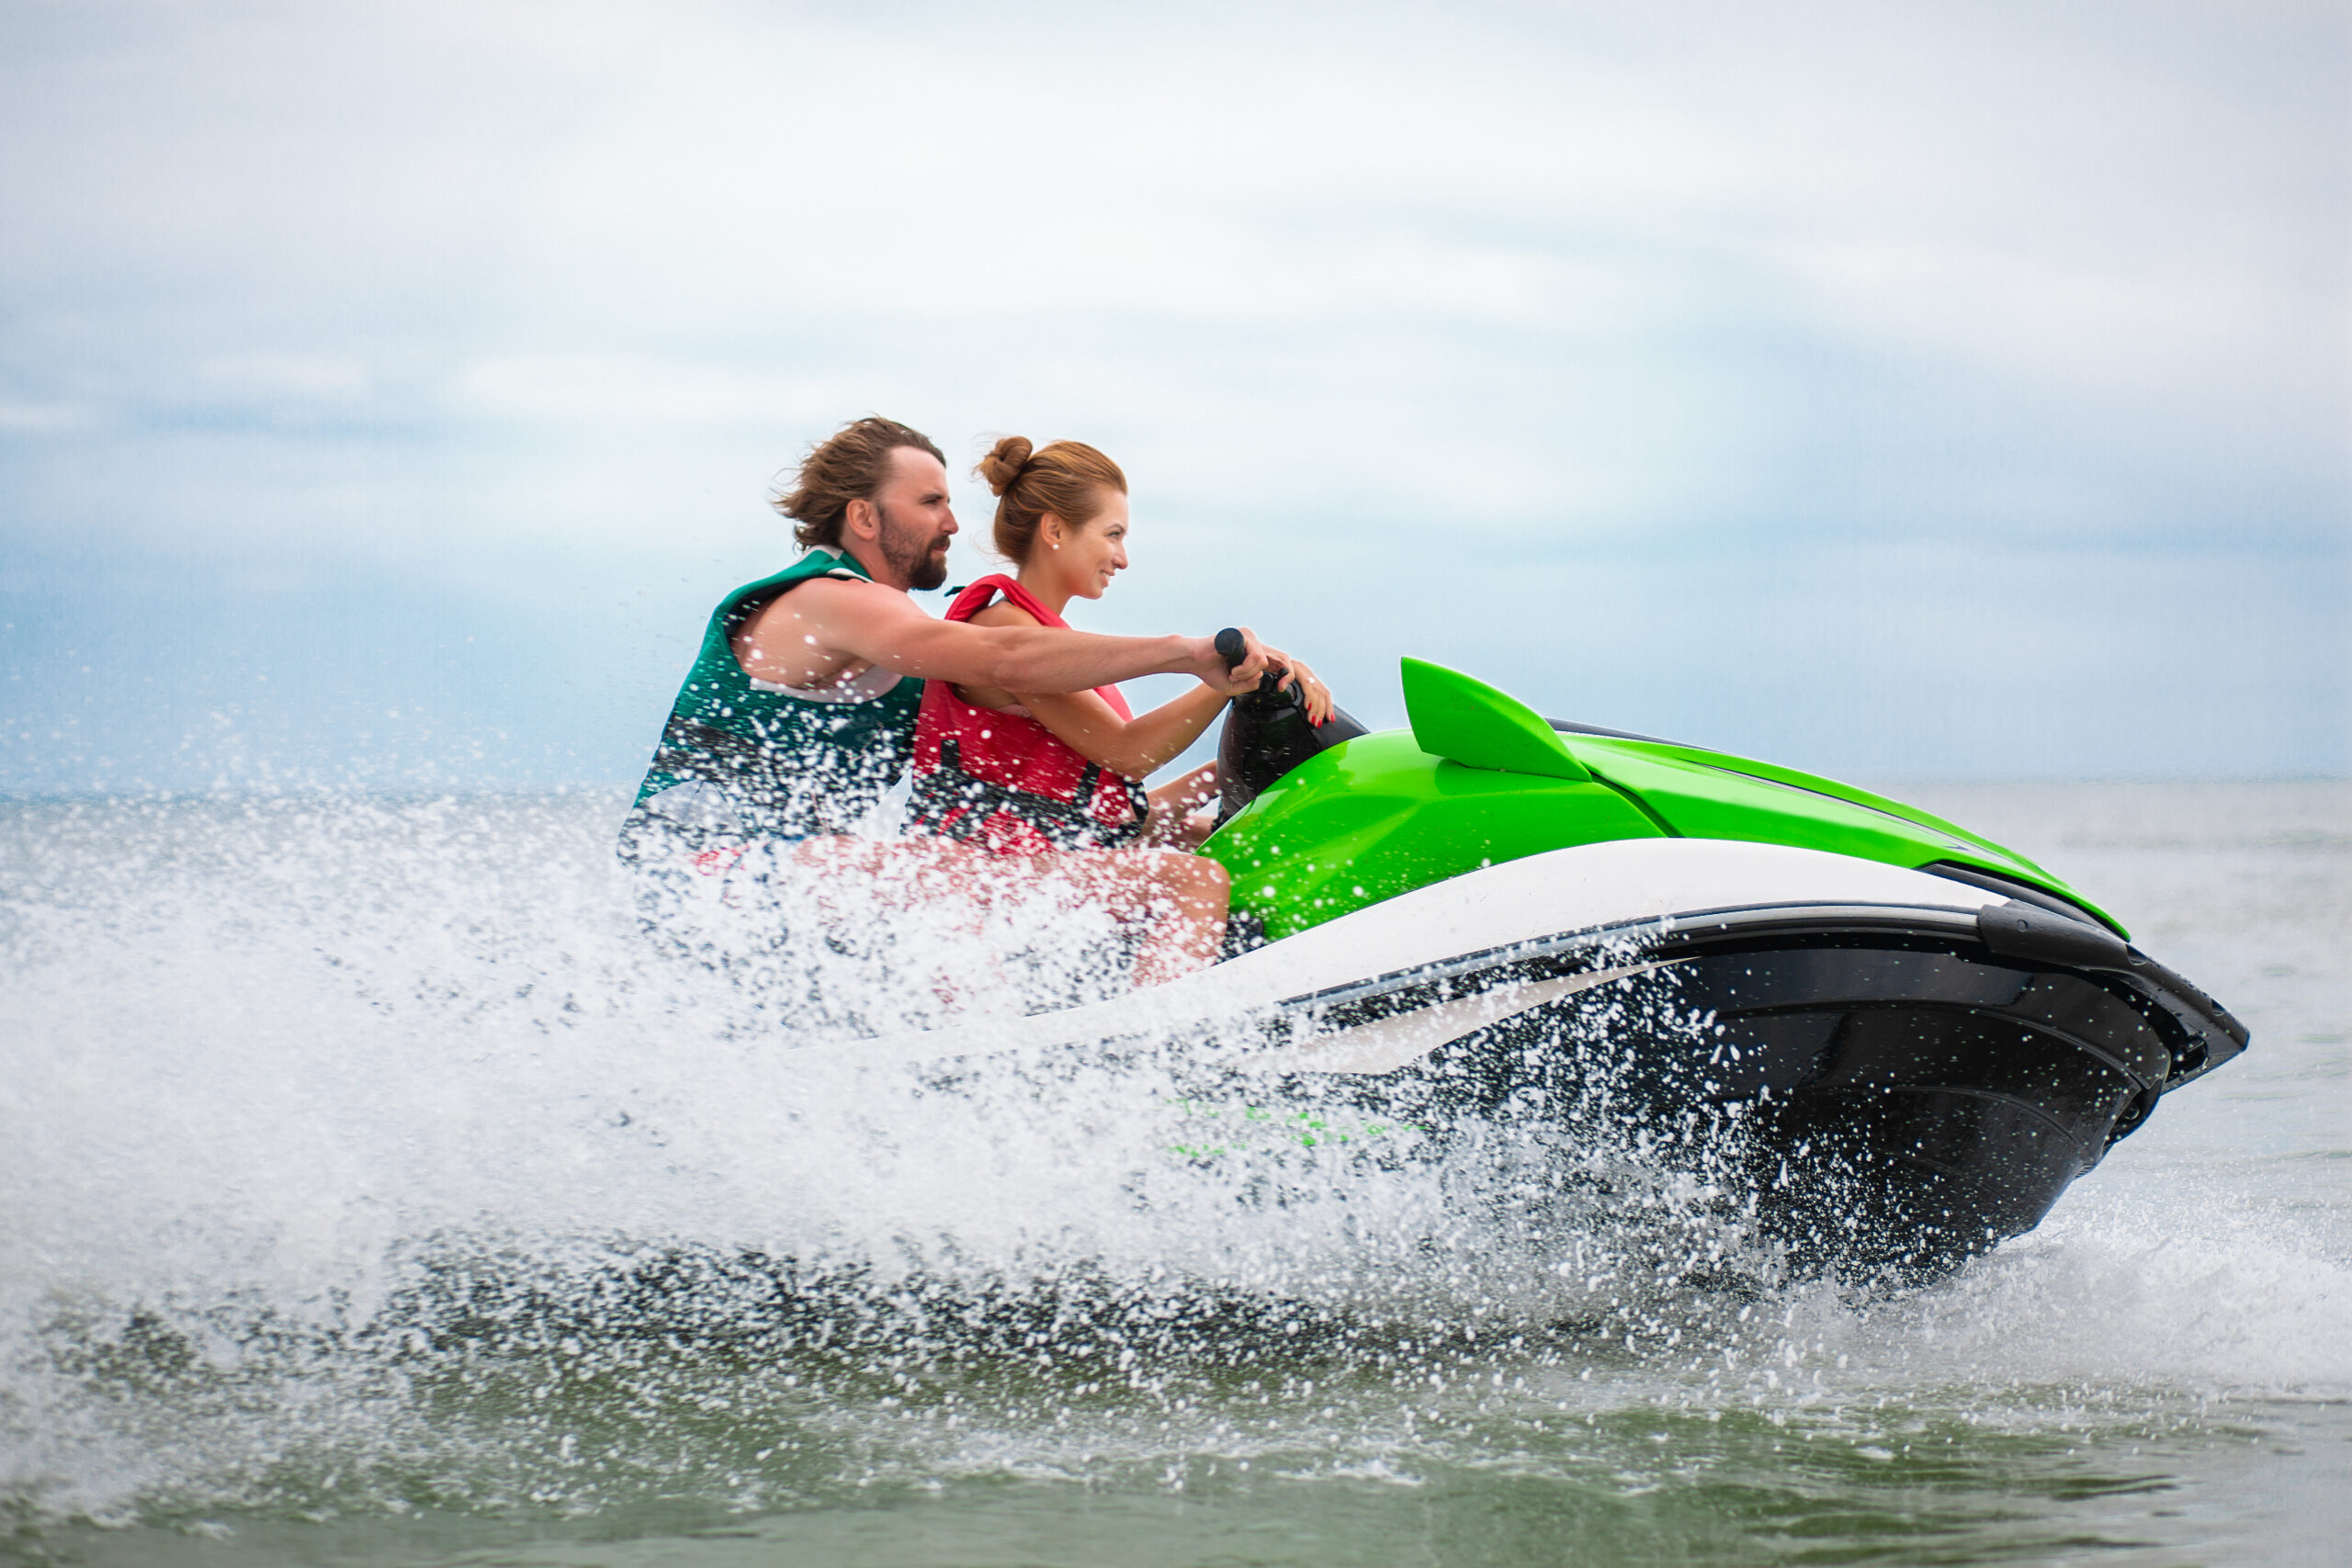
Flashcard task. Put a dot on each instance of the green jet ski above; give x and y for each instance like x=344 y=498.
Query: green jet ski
x=1919 y=1036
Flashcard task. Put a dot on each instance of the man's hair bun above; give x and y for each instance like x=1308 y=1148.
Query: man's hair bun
x=1004 y=462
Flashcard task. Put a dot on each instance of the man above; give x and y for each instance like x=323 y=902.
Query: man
x=799 y=711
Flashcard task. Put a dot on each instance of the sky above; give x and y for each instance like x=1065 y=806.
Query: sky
x=388 y=391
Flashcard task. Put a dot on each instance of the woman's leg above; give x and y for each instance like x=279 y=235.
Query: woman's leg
x=1180 y=898
x=1192 y=935
x=1172 y=823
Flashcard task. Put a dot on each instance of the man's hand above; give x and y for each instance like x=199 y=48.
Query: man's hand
x=1240 y=680
x=1234 y=681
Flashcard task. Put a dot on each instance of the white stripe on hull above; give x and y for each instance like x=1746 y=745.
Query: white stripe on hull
x=1580 y=888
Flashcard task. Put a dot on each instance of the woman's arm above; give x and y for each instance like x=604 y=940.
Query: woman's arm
x=1088 y=725
x=1136 y=747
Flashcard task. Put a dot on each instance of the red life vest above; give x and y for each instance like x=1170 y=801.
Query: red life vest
x=1001 y=781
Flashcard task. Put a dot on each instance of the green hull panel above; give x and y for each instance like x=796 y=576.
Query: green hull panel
x=1379 y=815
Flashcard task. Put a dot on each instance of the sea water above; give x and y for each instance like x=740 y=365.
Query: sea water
x=372 y=1192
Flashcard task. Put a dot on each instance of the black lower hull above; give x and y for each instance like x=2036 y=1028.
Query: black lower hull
x=1880 y=1101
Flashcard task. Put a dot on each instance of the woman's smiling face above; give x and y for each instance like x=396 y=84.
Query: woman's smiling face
x=1085 y=558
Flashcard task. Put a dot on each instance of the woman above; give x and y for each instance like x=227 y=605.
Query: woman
x=1028 y=774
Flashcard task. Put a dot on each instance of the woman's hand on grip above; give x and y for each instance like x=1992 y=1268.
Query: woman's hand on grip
x=1312 y=692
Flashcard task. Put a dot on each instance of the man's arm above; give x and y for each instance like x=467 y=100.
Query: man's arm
x=883 y=626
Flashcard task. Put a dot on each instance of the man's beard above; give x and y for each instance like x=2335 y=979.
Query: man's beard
x=913 y=556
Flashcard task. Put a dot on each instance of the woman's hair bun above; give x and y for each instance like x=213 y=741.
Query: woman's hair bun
x=1068 y=479
x=1004 y=462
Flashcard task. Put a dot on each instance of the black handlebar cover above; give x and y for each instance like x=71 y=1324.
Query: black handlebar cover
x=1266 y=735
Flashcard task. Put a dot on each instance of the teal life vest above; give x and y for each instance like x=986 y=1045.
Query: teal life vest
x=790 y=763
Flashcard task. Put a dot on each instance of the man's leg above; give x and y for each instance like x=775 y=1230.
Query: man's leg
x=898 y=876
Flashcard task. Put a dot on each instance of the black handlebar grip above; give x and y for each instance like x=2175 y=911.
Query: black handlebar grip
x=1232 y=647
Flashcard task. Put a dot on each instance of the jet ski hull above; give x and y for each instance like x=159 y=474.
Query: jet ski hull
x=1905 y=1068
x=1909 y=1082
x=1890 y=1092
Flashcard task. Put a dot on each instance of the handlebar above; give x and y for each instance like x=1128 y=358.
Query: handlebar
x=1267 y=732
x=1232 y=648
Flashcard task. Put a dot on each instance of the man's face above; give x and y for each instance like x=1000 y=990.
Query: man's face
x=915 y=520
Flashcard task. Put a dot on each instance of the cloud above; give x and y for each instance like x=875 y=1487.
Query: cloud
x=304 y=378
x=579 y=392
x=37 y=419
